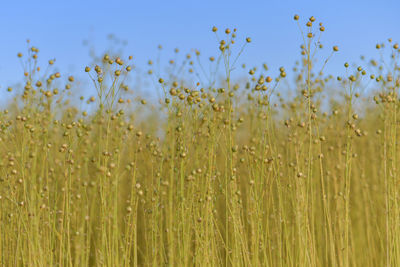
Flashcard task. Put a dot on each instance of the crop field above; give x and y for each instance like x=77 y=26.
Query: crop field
x=212 y=169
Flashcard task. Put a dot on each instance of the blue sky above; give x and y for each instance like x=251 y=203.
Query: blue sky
x=58 y=28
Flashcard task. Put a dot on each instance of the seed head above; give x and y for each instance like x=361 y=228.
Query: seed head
x=119 y=61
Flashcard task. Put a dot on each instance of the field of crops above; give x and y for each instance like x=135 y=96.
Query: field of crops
x=227 y=170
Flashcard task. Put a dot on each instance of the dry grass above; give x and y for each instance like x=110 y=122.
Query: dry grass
x=219 y=173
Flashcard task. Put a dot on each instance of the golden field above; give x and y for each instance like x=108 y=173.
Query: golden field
x=228 y=170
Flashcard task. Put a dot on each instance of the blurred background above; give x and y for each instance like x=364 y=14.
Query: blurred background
x=70 y=31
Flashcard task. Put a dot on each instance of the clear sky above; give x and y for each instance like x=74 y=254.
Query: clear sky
x=58 y=28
